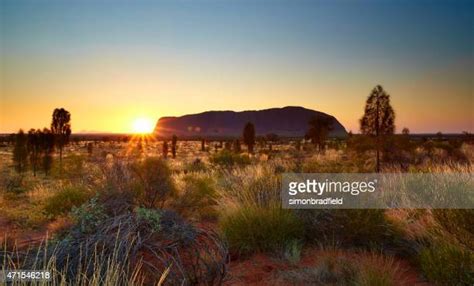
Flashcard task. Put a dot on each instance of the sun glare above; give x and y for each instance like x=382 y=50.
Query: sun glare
x=142 y=126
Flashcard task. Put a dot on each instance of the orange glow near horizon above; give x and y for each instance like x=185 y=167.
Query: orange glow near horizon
x=170 y=59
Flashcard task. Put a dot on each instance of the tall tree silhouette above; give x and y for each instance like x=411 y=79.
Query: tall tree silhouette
x=47 y=140
x=174 y=141
x=34 y=148
x=319 y=127
x=249 y=136
x=379 y=118
x=20 y=153
x=61 y=128
x=165 y=149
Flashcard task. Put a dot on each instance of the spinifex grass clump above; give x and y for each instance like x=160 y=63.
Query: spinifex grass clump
x=458 y=224
x=65 y=199
x=363 y=228
x=197 y=198
x=447 y=264
x=131 y=247
x=360 y=268
x=153 y=176
x=267 y=229
x=227 y=158
x=252 y=218
x=103 y=269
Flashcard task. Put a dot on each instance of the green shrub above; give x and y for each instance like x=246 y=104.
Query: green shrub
x=154 y=177
x=15 y=184
x=373 y=277
x=447 y=264
x=88 y=215
x=125 y=250
x=256 y=185
x=292 y=251
x=151 y=217
x=326 y=166
x=366 y=269
x=360 y=227
x=331 y=271
x=65 y=199
x=73 y=167
x=269 y=229
x=227 y=158
x=458 y=223
x=198 y=199
x=195 y=166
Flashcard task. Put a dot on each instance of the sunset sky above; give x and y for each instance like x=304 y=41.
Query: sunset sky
x=111 y=62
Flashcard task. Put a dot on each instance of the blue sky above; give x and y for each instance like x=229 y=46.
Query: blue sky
x=158 y=58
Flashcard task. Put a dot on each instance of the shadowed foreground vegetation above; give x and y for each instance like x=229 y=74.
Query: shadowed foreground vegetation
x=117 y=216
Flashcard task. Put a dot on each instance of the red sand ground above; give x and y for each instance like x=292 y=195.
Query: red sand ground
x=23 y=237
x=258 y=269
x=261 y=269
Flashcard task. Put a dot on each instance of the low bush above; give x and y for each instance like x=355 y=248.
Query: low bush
x=155 y=185
x=331 y=271
x=362 y=270
x=226 y=158
x=363 y=228
x=268 y=229
x=73 y=166
x=292 y=251
x=447 y=264
x=129 y=249
x=150 y=217
x=458 y=224
x=15 y=184
x=88 y=216
x=197 y=199
x=195 y=166
x=250 y=186
x=65 y=199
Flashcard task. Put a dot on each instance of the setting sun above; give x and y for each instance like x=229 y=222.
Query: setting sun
x=142 y=125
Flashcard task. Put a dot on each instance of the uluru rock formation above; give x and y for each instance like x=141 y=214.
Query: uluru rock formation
x=290 y=121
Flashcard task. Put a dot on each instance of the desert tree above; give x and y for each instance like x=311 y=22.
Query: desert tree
x=404 y=142
x=249 y=136
x=61 y=128
x=11 y=139
x=236 y=146
x=34 y=148
x=378 y=120
x=228 y=145
x=467 y=136
x=90 y=148
x=298 y=145
x=47 y=140
x=20 y=152
x=174 y=141
x=165 y=149
x=439 y=136
x=319 y=128
x=271 y=138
